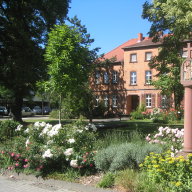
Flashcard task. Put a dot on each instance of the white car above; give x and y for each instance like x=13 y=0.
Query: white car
x=26 y=111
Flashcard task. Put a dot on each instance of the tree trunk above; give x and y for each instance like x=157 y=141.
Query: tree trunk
x=60 y=103
x=16 y=107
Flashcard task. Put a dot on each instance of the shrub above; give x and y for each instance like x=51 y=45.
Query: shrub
x=170 y=138
x=174 y=173
x=7 y=129
x=159 y=116
x=118 y=157
x=139 y=113
x=107 y=180
x=48 y=148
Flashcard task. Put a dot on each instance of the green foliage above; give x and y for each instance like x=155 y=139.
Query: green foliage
x=159 y=116
x=172 y=17
x=174 y=173
x=22 y=38
x=118 y=157
x=7 y=129
x=107 y=180
x=138 y=113
x=135 y=181
x=69 y=63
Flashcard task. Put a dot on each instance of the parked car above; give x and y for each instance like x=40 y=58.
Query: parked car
x=3 y=110
x=26 y=111
x=46 y=110
x=37 y=110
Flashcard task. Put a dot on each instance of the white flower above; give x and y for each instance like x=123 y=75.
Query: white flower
x=42 y=124
x=68 y=152
x=172 y=155
x=47 y=153
x=79 y=130
x=37 y=124
x=19 y=128
x=71 y=140
x=49 y=142
x=54 y=131
x=73 y=163
x=27 y=142
x=27 y=130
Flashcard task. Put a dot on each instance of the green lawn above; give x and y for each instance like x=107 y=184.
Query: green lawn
x=143 y=126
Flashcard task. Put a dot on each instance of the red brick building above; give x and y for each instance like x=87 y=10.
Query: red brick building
x=126 y=83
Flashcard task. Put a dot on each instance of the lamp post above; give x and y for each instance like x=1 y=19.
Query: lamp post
x=186 y=81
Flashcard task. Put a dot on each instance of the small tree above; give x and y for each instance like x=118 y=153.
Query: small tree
x=69 y=59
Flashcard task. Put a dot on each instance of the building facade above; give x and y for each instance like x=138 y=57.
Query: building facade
x=125 y=84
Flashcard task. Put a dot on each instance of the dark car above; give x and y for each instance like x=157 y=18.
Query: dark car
x=46 y=110
x=37 y=110
x=3 y=110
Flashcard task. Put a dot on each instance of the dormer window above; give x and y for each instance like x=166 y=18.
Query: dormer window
x=133 y=58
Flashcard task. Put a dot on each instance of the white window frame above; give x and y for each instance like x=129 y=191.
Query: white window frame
x=133 y=78
x=184 y=54
x=164 y=102
x=115 y=77
x=148 y=100
x=97 y=77
x=97 y=100
x=148 y=56
x=133 y=58
x=105 y=77
x=114 y=101
x=148 y=77
x=106 y=101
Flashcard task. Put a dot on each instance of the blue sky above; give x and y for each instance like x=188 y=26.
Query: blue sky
x=110 y=22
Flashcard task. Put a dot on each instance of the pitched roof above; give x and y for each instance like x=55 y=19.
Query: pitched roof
x=118 y=52
x=147 y=42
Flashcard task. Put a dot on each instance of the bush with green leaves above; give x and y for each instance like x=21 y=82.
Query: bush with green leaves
x=107 y=180
x=118 y=157
x=138 y=113
x=172 y=173
x=43 y=147
x=7 y=129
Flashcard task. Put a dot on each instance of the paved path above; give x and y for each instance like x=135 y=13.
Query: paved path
x=23 y=183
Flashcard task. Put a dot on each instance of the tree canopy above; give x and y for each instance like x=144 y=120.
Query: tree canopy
x=175 y=18
x=24 y=27
x=69 y=59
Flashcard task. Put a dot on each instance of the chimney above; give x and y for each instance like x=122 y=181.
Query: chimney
x=140 y=37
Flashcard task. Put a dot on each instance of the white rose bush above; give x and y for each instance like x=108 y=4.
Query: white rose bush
x=172 y=138
x=44 y=147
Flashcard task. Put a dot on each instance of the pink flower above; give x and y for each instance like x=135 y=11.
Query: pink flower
x=18 y=155
x=26 y=160
x=12 y=154
x=91 y=165
x=10 y=168
x=85 y=160
x=16 y=164
x=25 y=166
x=2 y=152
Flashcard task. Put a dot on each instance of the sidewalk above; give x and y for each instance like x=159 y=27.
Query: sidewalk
x=29 y=183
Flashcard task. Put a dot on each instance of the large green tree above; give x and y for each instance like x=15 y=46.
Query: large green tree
x=175 y=18
x=69 y=60
x=24 y=26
